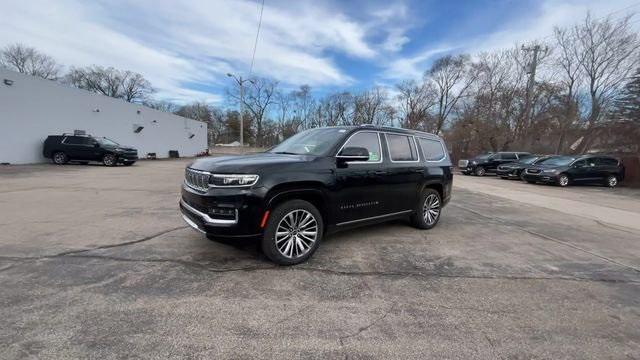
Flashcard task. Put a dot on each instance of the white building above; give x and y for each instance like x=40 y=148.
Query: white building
x=32 y=108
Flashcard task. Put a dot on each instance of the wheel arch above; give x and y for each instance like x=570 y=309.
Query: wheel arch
x=310 y=191
x=437 y=186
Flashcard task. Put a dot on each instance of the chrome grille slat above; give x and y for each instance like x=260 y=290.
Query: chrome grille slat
x=198 y=180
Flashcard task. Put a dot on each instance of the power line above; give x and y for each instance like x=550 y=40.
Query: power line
x=255 y=44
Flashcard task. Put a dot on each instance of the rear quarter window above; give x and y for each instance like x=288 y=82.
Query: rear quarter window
x=432 y=150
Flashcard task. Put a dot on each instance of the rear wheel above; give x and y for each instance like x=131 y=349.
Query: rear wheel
x=109 y=160
x=428 y=210
x=293 y=232
x=563 y=180
x=612 y=181
x=480 y=171
x=60 y=158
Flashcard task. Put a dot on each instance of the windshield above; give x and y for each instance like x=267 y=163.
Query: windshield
x=557 y=161
x=530 y=160
x=310 y=142
x=483 y=156
x=105 y=141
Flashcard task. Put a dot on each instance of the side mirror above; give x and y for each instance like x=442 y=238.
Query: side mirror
x=353 y=153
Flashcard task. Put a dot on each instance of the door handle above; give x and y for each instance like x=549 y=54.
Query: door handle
x=380 y=172
x=417 y=170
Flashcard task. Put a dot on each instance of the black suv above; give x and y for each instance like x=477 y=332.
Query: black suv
x=564 y=170
x=84 y=148
x=488 y=163
x=317 y=182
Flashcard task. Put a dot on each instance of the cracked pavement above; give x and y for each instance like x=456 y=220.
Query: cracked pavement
x=98 y=264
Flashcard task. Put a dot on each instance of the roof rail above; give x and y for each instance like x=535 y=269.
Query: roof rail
x=367 y=125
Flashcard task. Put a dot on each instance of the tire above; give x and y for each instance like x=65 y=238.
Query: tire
x=480 y=171
x=109 y=160
x=428 y=210
x=611 y=181
x=60 y=158
x=563 y=180
x=296 y=246
x=129 y=163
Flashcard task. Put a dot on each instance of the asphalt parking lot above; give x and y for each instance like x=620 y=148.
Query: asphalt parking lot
x=96 y=262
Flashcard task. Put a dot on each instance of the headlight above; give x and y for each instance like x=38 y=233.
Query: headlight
x=474 y=162
x=550 y=171
x=233 y=180
x=119 y=150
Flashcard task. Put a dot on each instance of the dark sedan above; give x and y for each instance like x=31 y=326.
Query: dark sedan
x=514 y=169
x=566 y=170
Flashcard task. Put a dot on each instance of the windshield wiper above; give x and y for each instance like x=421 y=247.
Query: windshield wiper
x=285 y=152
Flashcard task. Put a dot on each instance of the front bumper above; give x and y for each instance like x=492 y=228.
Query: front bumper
x=128 y=157
x=540 y=177
x=508 y=173
x=244 y=206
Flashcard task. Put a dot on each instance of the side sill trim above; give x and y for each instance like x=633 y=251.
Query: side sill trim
x=374 y=217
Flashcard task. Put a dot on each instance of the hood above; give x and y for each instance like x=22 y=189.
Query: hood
x=546 y=167
x=248 y=164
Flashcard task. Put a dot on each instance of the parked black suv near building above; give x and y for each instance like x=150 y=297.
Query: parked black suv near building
x=84 y=148
x=488 y=163
x=317 y=182
x=564 y=170
x=513 y=170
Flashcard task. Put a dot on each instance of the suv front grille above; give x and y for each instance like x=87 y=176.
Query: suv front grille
x=198 y=180
x=533 y=171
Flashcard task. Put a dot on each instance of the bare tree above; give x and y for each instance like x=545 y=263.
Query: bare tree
x=370 y=107
x=259 y=94
x=608 y=53
x=28 y=60
x=414 y=103
x=126 y=85
x=452 y=76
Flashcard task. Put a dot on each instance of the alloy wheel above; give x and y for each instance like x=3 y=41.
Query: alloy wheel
x=431 y=209
x=296 y=233
x=563 y=180
x=612 y=181
x=59 y=158
x=109 y=160
x=481 y=171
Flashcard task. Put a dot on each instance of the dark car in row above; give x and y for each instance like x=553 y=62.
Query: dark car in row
x=584 y=169
x=513 y=170
x=317 y=182
x=82 y=148
x=488 y=163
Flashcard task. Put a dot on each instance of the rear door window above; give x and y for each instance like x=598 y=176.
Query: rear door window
x=432 y=150
x=74 y=140
x=509 y=156
x=369 y=140
x=401 y=148
x=607 y=162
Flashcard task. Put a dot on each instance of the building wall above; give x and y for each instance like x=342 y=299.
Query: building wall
x=33 y=108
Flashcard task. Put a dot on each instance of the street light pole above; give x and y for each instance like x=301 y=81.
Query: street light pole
x=240 y=82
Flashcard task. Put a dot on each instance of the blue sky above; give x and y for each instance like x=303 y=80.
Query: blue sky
x=186 y=48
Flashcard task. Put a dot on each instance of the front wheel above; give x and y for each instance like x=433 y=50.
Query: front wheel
x=563 y=180
x=293 y=232
x=109 y=160
x=612 y=181
x=428 y=210
x=480 y=171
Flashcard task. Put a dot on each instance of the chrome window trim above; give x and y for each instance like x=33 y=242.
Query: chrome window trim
x=373 y=217
x=444 y=151
x=415 y=146
x=206 y=218
x=363 y=162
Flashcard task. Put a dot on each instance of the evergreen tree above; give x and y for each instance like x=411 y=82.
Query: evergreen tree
x=628 y=102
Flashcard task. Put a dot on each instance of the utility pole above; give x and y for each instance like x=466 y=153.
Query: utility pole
x=241 y=82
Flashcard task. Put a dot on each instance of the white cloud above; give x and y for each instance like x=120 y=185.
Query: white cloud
x=531 y=26
x=191 y=45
